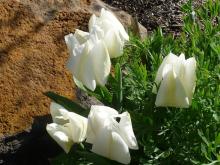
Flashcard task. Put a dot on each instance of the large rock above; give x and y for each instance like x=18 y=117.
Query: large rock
x=32 y=58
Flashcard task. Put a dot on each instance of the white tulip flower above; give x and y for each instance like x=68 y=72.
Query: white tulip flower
x=68 y=127
x=111 y=138
x=89 y=60
x=114 y=34
x=177 y=79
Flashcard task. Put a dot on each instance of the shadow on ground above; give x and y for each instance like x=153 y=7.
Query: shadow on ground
x=32 y=147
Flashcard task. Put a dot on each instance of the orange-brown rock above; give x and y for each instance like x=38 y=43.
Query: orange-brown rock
x=33 y=56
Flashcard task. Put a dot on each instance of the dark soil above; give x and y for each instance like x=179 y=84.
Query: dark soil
x=153 y=13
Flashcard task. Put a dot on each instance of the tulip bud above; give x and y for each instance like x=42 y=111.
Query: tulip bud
x=114 y=33
x=70 y=127
x=111 y=138
x=176 y=78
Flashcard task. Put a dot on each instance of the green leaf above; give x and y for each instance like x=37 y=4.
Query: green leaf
x=67 y=103
x=102 y=93
x=96 y=159
x=203 y=137
x=217 y=139
x=118 y=94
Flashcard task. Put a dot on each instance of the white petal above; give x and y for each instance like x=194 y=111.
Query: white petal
x=167 y=68
x=106 y=25
x=59 y=134
x=120 y=151
x=126 y=131
x=115 y=23
x=81 y=36
x=54 y=109
x=179 y=66
x=114 y=43
x=171 y=91
x=101 y=144
x=190 y=77
x=96 y=120
x=86 y=73
x=182 y=57
x=96 y=33
x=109 y=144
x=71 y=42
x=57 y=113
x=78 y=38
x=169 y=59
x=101 y=62
x=82 y=67
x=78 y=127
x=75 y=53
x=79 y=62
x=92 y=22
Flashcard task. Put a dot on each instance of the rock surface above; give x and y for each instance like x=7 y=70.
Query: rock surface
x=32 y=60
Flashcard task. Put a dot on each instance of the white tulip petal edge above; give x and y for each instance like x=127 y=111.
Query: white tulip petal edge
x=111 y=138
x=68 y=127
x=176 y=78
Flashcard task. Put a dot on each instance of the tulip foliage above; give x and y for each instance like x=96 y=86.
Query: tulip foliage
x=159 y=108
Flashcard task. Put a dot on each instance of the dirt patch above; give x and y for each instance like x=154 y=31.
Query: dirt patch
x=32 y=58
x=154 y=13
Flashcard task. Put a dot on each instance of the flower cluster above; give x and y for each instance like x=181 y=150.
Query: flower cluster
x=90 y=52
x=110 y=133
x=109 y=137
